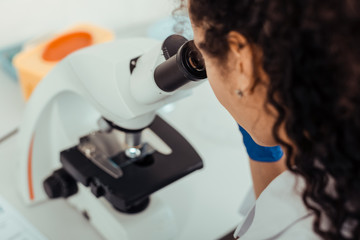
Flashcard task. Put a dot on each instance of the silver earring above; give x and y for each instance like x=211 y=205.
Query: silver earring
x=239 y=93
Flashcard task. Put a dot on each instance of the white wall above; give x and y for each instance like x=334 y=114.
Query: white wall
x=24 y=19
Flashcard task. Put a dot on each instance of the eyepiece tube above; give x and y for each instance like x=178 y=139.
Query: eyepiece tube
x=185 y=66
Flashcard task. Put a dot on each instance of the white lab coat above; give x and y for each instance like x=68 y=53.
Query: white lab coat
x=279 y=213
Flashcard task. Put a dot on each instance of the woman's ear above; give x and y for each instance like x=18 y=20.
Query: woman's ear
x=236 y=42
x=242 y=56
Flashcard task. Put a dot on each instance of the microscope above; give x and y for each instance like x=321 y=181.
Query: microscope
x=91 y=135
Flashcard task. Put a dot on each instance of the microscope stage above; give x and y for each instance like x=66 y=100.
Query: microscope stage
x=130 y=192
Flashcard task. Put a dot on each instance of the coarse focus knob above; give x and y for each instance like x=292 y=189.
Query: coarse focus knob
x=60 y=184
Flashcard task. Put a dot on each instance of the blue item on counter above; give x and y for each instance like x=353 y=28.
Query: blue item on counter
x=260 y=153
x=6 y=56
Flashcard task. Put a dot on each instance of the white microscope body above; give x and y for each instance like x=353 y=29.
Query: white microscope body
x=89 y=84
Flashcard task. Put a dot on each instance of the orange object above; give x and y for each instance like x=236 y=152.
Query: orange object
x=64 y=45
x=30 y=178
x=34 y=63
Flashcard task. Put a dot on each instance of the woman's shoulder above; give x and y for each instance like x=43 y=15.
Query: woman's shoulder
x=279 y=212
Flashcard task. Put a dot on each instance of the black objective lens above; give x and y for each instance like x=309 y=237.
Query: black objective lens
x=180 y=68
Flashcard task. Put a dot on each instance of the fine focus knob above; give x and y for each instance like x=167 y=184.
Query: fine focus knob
x=60 y=184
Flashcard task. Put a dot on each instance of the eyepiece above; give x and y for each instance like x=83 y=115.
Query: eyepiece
x=195 y=61
x=184 y=66
x=192 y=62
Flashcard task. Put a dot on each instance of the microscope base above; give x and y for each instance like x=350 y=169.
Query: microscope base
x=156 y=222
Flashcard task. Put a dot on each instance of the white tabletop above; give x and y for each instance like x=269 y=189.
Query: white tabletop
x=218 y=189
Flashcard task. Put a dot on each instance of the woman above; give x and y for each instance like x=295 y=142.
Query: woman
x=289 y=74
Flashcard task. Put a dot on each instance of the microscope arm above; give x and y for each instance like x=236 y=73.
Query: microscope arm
x=37 y=131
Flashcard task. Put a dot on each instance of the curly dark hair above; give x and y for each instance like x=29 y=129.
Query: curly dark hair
x=311 y=53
